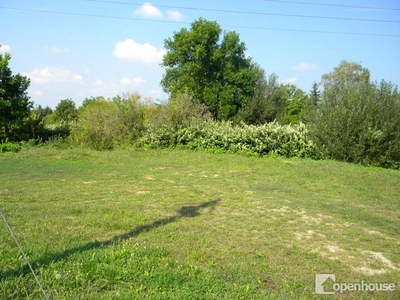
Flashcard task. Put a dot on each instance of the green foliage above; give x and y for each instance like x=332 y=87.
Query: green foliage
x=266 y=105
x=54 y=131
x=315 y=95
x=43 y=112
x=130 y=112
x=50 y=119
x=359 y=123
x=38 y=126
x=213 y=70
x=90 y=101
x=180 y=110
x=14 y=102
x=297 y=104
x=97 y=127
x=10 y=147
x=271 y=138
x=272 y=101
x=348 y=74
x=66 y=111
x=102 y=124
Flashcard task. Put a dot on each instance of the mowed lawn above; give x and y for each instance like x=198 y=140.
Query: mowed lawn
x=177 y=224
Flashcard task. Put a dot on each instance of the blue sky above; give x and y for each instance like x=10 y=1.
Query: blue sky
x=77 y=49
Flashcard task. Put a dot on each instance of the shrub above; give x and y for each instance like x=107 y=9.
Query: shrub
x=181 y=110
x=10 y=147
x=359 y=124
x=49 y=132
x=284 y=140
x=102 y=125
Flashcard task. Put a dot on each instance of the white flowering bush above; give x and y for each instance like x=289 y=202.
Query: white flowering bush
x=270 y=138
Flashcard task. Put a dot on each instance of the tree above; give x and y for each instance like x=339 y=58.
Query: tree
x=66 y=111
x=43 y=112
x=91 y=101
x=296 y=104
x=267 y=103
x=212 y=70
x=36 y=123
x=315 y=95
x=14 y=102
x=347 y=74
x=358 y=121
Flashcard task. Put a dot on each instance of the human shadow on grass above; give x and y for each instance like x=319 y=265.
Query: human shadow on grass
x=183 y=212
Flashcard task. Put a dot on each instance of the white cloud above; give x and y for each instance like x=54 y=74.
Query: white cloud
x=136 y=81
x=53 y=75
x=4 y=48
x=98 y=82
x=143 y=53
x=304 y=67
x=174 y=15
x=289 y=80
x=56 y=49
x=104 y=89
x=148 y=10
x=37 y=93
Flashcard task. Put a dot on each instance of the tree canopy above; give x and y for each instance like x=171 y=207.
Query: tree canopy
x=213 y=70
x=66 y=111
x=14 y=101
x=346 y=74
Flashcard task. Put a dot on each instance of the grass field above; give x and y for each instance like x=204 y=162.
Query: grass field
x=176 y=224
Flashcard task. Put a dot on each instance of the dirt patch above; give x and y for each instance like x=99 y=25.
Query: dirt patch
x=315 y=237
x=379 y=259
x=307 y=235
x=282 y=211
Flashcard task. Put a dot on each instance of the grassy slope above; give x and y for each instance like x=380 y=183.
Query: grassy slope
x=162 y=224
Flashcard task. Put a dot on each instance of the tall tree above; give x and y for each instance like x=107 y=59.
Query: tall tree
x=14 y=101
x=267 y=104
x=215 y=71
x=296 y=104
x=315 y=95
x=357 y=120
x=66 y=111
x=347 y=74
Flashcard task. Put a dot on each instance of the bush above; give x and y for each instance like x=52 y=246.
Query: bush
x=53 y=131
x=181 y=110
x=359 y=124
x=271 y=138
x=10 y=147
x=102 y=125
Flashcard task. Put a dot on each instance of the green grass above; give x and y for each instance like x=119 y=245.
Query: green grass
x=177 y=224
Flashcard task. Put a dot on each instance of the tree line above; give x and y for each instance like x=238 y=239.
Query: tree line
x=210 y=78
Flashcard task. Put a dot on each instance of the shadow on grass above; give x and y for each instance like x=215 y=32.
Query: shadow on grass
x=184 y=212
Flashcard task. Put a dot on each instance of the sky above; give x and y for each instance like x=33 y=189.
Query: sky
x=76 y=49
